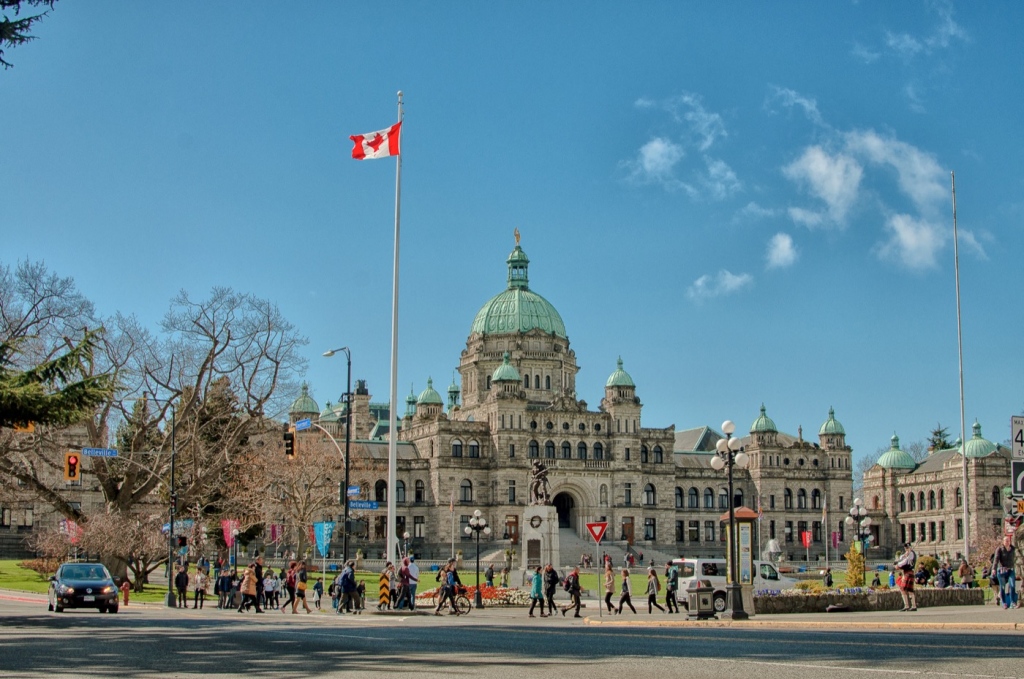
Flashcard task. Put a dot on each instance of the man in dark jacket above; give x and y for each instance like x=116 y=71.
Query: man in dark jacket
x=551 y=581
x=181 y=584
x=572 y=586
x=259 y=584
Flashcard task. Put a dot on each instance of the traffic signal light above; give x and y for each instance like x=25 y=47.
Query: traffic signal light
x=182 y=541
x=72 y=466
x=289 y=444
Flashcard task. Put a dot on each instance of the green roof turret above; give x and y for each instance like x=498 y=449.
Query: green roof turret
x=832 y=425
x=619 y=378
x=304 y=403
x=978 y=446
x=506 y=372
x=429 y=396
x=763 y=423
x=894 y=458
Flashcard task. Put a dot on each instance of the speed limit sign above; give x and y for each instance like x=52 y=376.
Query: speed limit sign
x=1017 y=435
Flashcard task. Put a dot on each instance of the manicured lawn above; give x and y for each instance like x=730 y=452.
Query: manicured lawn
x=13 y=576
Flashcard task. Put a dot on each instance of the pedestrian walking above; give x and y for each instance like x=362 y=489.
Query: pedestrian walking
x=966 y=574
x=271 y=585
x=248 y=588
x=318 y=592
x=653 y=587
x=403 y=585
x=349 y=593
x=181 y=585
x=609 y=585
x=301 y=585
x=572 y=586
x=671 y=588
x=537 y=592
x=1003 y=568
x=414 y=581
x=199 y=583
x=489 y=575
x=289 y=587
x=258 y=573
x=627 y=590
x=447 y=590
x=905 y=581
x=504 y=578
x=828 y=578
x=551 y=581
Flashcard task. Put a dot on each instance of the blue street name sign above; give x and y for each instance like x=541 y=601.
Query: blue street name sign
x=353 y=490
x=363 y=504
x=99 y=452
x=303 y=424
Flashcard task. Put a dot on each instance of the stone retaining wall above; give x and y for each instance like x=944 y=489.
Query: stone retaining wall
x=870 y=600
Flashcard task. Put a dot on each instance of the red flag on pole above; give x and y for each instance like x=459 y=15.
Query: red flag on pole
x=380 y=144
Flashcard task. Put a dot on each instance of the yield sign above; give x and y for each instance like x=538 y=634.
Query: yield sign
x=597 y=530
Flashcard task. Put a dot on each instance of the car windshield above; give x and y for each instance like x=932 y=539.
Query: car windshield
x=85 y=572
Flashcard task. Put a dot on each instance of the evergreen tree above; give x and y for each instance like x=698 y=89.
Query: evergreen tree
x=939 y=439
x=16 y=31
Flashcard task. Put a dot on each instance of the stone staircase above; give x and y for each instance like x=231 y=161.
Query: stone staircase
x=571 y=546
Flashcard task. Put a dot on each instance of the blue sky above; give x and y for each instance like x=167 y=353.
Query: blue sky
x=749 y=202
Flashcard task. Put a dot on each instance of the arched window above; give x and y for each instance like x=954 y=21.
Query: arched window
x=913 y=501
x=787 y=499
x=815 y=499
x=709 y=498
x=920 y=500
x=547 y=382
x=581 y=450
x=466 y=491
x=526 y=381
x=942 y=498
x=996 y=497
x=903 y=502
x=380 y=491
x=399 y=491
x=474 y=449
x=644 y=456
x=658 y=455
x=536 y=381
x=693 y=498
x=723 y=499
x=738 y=499
x=456 y=448
x=549 y=449
x=874 y=502
x=679 y=497
x=420 y=492
x=650 y=497
x=603 y=494
x=931 y=499
x=598 y=451
x=801 y=499
x=566 y=450
x=534 y=449
x=959 y=497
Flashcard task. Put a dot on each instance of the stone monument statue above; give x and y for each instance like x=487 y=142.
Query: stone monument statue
x=539 y=484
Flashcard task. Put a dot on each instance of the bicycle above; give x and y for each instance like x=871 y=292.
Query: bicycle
x=462 y=605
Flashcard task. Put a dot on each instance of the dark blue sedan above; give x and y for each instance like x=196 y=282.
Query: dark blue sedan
x=83 y=585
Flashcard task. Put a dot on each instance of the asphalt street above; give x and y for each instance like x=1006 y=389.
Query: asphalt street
x=145 y=641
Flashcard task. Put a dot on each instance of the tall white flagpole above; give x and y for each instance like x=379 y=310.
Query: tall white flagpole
x=960 y=352
x=392 y=538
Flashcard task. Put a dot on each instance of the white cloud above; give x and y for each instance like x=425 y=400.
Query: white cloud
x=720 y=181
x=918 y=173
x=808 y=218
x=704 y=126
x=914 y=99
x=942 y=36
x=865 y=54
x=723 y=283
x=790 y=98
x=754 y=211
x=971 y=242
x=832 y=178
x=781 y=251
x=914 y=242
x=656 y=161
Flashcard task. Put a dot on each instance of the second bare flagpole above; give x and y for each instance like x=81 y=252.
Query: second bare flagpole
x=392 y=538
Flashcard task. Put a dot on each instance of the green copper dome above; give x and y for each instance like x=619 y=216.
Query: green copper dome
x=763 y=423
x=429 y=396
x=894 y=458
x=517 y=309
x=506 y=372
x=978 y=446
x=304 y=403
x=619 y=378
x=832 y=425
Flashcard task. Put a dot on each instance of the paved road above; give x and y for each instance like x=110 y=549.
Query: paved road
x=147 y=641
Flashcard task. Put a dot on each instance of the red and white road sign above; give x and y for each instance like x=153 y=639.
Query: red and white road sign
x=597 y=530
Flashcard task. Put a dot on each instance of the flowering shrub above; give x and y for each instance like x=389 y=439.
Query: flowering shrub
x=492 y=596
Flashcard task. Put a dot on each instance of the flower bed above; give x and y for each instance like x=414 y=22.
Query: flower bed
x=492 y=596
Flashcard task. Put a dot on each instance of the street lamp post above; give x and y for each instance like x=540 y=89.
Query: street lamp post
x=348 y=439
x=171 y=599
x=477 y=525
x=234 y=546
x=730 y=454
x=860 y=524
x=406 y=536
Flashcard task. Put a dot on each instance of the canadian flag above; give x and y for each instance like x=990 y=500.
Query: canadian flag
x=379 y=144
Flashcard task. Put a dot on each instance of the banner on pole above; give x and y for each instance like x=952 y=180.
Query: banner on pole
x=229 y=526
x=805 y=538
x=323 y=531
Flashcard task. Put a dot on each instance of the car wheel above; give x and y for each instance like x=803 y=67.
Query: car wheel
x=719 y=603
x=58 y=608
x=102 y=609
x=111 y=609
x=49 y=605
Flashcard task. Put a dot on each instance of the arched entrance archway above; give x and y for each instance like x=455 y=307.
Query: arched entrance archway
x=565 y=505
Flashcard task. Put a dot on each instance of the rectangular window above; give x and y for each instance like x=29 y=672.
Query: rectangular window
x=771 y=502
x=913 y=532
x=680 y=531
x=5 y=517
x=903 y=533
x=840 y=502
x=771 y=530
x=30 y=518
x=419 y=491
x=658 y=457
x=788 y=497
x=511 y=450
x=650 y=532
x=959 y=529
x=693 y=531
x=709 y=531
x=816 y=529
x=721 y=531
x=511 y=492
x=418 y=526
x=643 y=454
x=931 y=531
x=627 y=454
x=789 y=531
x=463 y=525
x=841 y=532
x=628 y=495
x=801 y=526
x=474 y=449
x=942 y=531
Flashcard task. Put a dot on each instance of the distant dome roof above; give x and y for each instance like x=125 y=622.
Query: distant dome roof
x=763 y=423
x=978 y=446
x=832 y=425
x=506 y=372
x=517 y=309
x=304 y=403
x=619 y=378
x=429 y=396
x=894 y=458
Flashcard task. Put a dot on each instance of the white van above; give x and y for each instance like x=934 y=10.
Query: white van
x=766 y=576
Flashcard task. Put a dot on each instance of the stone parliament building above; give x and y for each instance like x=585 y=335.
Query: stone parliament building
x=518 y=403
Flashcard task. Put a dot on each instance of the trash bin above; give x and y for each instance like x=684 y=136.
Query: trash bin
x=701 y=597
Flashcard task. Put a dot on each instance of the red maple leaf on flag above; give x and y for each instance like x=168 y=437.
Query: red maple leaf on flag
x=375 y=142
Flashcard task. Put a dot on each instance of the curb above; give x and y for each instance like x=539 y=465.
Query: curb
x=804 y=624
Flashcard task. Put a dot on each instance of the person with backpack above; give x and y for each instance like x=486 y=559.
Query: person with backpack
x=572 y=586
x=349 y=590
x=551 y=581
x=289 y=587
x=653 y=587
x=626 y=591
x=671 y=587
